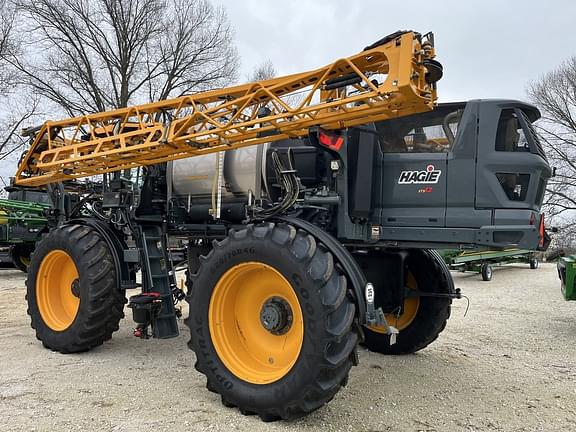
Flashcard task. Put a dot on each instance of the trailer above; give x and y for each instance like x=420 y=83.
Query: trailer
x=482 y=262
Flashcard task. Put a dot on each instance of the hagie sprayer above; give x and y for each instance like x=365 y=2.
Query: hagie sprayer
x=310 y=205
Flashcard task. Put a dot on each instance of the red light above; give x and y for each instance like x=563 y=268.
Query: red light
x=333 y=142
x=542 y=231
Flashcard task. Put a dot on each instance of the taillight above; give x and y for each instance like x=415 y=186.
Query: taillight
x=332 y=141
x=542 y=230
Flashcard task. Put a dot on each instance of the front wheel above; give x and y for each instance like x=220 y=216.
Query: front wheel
x=422 y=318
x=534 y=263
x=271 y=322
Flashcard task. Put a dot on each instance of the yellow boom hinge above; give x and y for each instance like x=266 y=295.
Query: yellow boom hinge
x=394 y=77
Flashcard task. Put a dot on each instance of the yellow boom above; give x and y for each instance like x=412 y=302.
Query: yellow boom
x=392 y=78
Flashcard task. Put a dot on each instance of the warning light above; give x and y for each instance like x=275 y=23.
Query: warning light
x=332 y=141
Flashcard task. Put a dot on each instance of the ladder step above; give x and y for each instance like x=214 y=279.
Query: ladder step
x=156 y=266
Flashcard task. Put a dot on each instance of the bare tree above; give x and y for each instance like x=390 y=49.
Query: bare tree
x=264 y=71
x=95 y=55
x=555 y=94
x=16 y=108
x=11 y=125
x=7 y=43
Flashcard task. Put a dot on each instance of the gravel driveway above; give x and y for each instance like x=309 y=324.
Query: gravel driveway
x=509 y=365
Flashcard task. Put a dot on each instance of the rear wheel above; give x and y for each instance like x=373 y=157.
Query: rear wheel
x=534 y=263
x=73 y=299
x=271 y=322
x=20 y=254
x=421 y=319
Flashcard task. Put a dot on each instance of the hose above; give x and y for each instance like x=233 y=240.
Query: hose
x=286 y=177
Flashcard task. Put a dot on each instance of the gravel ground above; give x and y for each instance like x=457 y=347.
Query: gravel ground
x=508 y=365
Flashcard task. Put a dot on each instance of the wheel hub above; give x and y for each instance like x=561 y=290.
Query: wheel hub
x=276 y=316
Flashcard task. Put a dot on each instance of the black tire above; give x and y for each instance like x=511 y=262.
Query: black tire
x=330 y=338
x=486 y=271
x=20 y=254
x=431 y=275
x=534 y=263
x=101 y=303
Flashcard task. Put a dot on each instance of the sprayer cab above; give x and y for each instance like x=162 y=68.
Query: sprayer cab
x=465 y=173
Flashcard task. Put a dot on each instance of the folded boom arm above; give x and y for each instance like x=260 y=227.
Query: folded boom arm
x=395 y=77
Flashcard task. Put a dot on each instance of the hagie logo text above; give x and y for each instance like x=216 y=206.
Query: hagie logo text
x=429 y=176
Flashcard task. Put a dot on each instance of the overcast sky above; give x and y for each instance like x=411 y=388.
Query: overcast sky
x=488 y=48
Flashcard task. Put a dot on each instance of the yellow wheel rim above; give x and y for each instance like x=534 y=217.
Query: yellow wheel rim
x=240 y=323
x=411 y=305
x=56 y=301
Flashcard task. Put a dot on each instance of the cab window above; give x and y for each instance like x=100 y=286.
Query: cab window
x=423 y=133
x=510 y=136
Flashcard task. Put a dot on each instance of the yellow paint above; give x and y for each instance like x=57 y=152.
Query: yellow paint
x=57 y=305
x=243 y=344
x=226 y=119
x=411 y=305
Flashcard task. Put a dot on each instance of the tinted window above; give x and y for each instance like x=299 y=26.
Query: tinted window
x=510 y=136
x=515 y=185
x=427 y=133
x=532 y=134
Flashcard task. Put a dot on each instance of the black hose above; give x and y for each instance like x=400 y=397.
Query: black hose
x=286 y=177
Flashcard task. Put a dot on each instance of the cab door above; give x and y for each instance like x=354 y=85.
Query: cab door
x=414 y=189
x=416 y=167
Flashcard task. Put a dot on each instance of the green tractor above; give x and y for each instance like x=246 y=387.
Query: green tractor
x=22 y=222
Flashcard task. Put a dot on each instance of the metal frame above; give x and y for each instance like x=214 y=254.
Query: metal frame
x=474 y=260
x=239 y=116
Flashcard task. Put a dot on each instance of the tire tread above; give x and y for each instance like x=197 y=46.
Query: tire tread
x=341 y=337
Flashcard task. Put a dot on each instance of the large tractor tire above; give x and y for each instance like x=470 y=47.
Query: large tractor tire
x=72 y=291
x=272 y=322
x=20 y=255
x=422 y=318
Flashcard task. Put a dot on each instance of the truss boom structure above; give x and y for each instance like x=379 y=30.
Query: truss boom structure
x=392 y=78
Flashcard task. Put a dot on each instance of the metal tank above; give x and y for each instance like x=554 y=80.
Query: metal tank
x=194 y=178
